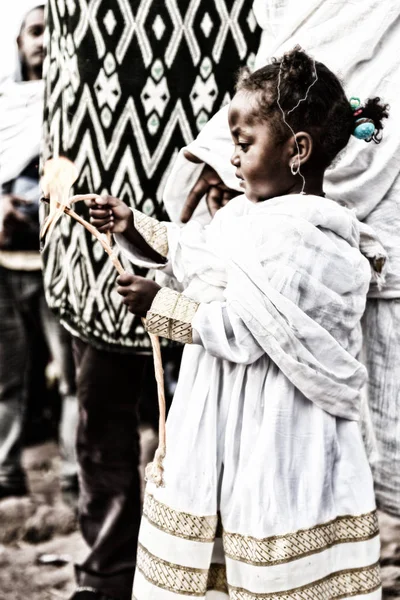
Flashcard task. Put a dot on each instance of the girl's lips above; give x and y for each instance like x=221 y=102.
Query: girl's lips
x=242 y=182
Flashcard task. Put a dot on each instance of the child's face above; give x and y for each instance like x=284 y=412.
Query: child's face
x=261 y=164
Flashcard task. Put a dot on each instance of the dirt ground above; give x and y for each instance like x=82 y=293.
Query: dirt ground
x=31 y=528
x=39 y=540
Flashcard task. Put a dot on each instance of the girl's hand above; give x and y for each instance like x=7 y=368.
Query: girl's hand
x=138 y=293
x=110 y=214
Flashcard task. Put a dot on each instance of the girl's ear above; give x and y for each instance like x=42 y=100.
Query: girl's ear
x=300 y=149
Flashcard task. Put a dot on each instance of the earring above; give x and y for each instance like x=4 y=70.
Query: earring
x=295 y=168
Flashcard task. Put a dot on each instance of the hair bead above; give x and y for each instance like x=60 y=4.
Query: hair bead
x=355 y=102
x=364 y=129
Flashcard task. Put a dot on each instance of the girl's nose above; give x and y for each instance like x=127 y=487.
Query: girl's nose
x=235 y=158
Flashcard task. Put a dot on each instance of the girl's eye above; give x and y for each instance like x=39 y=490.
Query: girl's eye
x=243 y=146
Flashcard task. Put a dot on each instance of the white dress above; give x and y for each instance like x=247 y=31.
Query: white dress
x=268 y=492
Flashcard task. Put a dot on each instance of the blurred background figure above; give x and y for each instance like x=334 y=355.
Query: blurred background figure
x=29 y=333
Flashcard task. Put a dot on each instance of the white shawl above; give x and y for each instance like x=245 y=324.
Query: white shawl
x=291 y=271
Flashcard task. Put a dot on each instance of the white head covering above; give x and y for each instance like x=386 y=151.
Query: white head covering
x=21 y=111
x=10 y=27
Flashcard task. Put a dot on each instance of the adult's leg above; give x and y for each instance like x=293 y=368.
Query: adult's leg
x=19 y=293
x=108 y=456
x=40 y=406
x=60 y=346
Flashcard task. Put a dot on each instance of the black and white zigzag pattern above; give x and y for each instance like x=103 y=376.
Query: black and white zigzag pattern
x=128 y=83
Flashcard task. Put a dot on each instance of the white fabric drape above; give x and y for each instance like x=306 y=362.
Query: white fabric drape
x=21 y=117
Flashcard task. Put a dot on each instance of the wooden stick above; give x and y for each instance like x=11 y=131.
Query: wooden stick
x=154 y=470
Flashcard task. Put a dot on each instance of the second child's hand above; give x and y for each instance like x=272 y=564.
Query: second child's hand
x=209 y=184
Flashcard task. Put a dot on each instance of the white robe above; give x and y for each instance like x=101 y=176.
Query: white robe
x=282 y=287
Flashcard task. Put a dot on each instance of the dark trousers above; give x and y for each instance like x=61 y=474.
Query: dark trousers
x=109 y=386
x=26 y=322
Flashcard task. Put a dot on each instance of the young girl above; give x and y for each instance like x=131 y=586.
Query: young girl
x=268 y=493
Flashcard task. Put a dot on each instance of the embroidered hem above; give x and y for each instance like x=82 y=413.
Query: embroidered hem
x=196 y=582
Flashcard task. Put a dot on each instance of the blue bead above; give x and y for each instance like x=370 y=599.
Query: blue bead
x=355 y=102
x=364 y=131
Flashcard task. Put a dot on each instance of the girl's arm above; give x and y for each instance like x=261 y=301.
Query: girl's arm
x=175 y=316
x=214 y=325
x=148 y=235
x=144 y=238
x=183 y=252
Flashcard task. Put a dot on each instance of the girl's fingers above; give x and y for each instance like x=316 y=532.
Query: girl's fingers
x=106 y=228
x=126 y=279
x=91 y=203
x=109 y=200
x=100 y=222
x=123 y=291
x=102 y=200
x=100 y=213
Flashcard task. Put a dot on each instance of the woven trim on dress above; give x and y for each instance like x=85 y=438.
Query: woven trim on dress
x=171 y=315
x=262 y=551
x=169 y=576
x=285 y=548
x=195 y=582
x=154 y=232
x=342 y=584
x=180 y=524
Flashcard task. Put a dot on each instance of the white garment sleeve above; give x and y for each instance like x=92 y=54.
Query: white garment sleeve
x=134 y=255
x=155 y=234
x=222 y=333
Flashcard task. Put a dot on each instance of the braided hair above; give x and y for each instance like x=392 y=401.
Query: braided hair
x=312 y=100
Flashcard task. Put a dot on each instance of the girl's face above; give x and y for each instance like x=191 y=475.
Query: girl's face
x=261 y=163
